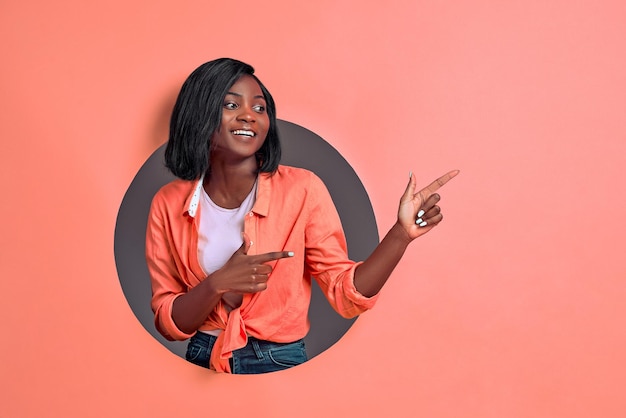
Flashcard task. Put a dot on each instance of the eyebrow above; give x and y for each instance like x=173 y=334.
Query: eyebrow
x=259 y=96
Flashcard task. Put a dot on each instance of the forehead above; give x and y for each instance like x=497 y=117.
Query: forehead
x=246 y=85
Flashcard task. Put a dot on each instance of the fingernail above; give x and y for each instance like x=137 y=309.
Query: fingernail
x=423 y=224
x=420 y=213
x=410 y=174
x=419 y=220
x=291 y=254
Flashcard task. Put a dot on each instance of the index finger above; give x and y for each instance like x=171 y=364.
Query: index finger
x=435 y=185
x=264 y=258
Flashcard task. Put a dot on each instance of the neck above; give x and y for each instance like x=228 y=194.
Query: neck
x=228 y=185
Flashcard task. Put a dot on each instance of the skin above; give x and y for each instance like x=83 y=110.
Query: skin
x=232 y=176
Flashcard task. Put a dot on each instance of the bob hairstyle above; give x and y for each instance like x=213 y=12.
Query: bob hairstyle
x=197 y=115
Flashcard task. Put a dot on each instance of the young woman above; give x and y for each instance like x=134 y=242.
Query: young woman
x=233 y=243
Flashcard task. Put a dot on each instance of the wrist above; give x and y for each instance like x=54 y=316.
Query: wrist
x=212 y=285
x=399 y=234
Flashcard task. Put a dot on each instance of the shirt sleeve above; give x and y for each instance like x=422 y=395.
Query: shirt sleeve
x=327 y=257
x=166 y=282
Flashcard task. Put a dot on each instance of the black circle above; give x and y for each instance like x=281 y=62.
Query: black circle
x=301 y=148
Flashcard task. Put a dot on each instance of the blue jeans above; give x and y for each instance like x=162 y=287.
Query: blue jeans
x=258 y=356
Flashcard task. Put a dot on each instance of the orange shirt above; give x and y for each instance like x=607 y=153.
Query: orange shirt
x=293 y=212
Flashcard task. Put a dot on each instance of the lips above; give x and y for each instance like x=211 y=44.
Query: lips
x=244 y=132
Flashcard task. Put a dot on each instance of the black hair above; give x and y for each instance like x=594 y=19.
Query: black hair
x=197 y=115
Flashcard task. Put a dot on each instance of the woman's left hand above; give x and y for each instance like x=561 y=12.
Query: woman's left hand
x=418 y=212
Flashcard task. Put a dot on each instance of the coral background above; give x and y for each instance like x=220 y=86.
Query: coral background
x=512 y=307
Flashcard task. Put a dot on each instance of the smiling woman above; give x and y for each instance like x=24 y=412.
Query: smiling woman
x=231 y=246
x=300 y=147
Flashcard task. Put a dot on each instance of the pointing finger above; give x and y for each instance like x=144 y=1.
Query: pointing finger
x=437 y=184
x=264 y=258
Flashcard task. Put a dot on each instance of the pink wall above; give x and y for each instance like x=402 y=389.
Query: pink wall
x=514 y=307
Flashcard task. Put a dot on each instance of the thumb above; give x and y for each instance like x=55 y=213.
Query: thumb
x=410 y=188
x=246 y=244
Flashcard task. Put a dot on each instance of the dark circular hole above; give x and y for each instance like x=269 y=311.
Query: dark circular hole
x=301 y=148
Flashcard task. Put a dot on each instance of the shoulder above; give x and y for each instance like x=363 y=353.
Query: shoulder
x=287 y=170
x=289 y=176
x=174 y=193
x=297 y=184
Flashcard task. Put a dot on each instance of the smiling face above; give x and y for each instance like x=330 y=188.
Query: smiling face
x=244 y=123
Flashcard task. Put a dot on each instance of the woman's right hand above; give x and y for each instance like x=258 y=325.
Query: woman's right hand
x=245 y=273
x=241 y=274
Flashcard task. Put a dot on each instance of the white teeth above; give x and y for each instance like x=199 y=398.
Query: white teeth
x=243 y=132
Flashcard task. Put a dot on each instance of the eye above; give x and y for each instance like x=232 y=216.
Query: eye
x=230 y=105
x=259 y=108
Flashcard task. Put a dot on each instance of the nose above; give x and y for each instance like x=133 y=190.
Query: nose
x=246 y=114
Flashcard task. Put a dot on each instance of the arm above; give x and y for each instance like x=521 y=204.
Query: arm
x=417 y=214
x=241 y=274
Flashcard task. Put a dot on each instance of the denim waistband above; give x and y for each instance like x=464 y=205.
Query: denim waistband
x=257 y=356
x=262 y=344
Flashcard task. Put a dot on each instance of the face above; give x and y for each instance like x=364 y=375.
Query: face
x=244 y=122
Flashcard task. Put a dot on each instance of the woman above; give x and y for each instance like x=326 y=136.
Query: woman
x=233 y=243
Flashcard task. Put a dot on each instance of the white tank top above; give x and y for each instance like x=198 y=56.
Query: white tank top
x=219 y=233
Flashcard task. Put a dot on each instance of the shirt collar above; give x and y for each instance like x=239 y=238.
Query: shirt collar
x=194 y=199
x=263 y=193
x=261 y=206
